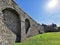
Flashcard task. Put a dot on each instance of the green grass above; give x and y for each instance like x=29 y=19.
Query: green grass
x=42 y=39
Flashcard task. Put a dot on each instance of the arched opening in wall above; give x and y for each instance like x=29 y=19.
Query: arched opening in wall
x=12 y=21
x=27 y=25
x=39 y=32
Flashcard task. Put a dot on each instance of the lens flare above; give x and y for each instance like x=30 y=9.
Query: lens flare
x=52 y=3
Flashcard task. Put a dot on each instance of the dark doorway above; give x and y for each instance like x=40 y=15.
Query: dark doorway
x=12 y=21
x=27 y=25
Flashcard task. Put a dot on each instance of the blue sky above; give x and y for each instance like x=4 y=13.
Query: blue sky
x=38 y=10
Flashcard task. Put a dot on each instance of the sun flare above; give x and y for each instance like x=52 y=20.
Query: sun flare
x=52 y=3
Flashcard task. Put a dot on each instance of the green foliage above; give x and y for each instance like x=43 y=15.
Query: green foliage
x=56 y=28
x=43 y=39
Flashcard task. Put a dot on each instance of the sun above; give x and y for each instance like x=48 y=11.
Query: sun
x=52 y=3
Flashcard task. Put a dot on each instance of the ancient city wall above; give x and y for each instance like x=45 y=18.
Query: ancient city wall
x=15 y=24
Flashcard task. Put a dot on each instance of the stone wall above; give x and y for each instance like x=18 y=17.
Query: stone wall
x=15 y=24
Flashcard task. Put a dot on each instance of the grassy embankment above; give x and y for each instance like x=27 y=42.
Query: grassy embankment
x=42 y=39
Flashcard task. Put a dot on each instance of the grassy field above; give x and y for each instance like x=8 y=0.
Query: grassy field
x=43 y=39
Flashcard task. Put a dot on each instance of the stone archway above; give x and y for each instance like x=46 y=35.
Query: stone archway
x=12 y=21
x=27 y=25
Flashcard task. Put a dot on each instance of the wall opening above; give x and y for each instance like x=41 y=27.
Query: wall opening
x=27 y=25
x=12 y=21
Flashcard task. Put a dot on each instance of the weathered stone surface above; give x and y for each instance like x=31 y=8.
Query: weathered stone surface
x=13 y=24
x=6 y=36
